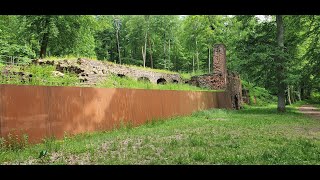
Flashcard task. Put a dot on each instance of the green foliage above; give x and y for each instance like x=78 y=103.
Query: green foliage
x=187 y=76
x=41 y=75
x=51 y=144
x=176 y=43
x=14 y=143
x=315 y=97
x=259 y=96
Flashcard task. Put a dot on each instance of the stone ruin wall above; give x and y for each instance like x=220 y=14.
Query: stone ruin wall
x=91 y=72
x=234 y=89
x=221 y=78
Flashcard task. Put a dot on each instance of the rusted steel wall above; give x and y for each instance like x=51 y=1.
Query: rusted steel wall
x=42 y=111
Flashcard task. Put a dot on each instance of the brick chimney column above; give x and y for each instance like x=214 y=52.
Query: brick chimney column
x=219 y=62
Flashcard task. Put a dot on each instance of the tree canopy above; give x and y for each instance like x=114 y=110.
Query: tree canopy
x=179 y=43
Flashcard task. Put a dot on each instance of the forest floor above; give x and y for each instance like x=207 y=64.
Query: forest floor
x=310 y=111
x=253 y=135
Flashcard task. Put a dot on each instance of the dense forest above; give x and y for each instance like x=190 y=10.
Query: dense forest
x=279 y=53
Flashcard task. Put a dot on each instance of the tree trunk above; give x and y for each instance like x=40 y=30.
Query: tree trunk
x=209 y=59
x=169 y=52
x=118 y=46
x=289 y=94
x=151 y=60
x=280 y=68
x=143 y=57
x=193 y=64
x=302 y=92
x=117 y=27
x=45 y=38
x=197 y=54
x=293 y=98
x=165 y=54
x=144 y=52
x=299 y=93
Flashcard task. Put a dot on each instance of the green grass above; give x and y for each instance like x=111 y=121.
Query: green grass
x=41 y=75
x=114 y=81
x=254 y=135
x=188 y=76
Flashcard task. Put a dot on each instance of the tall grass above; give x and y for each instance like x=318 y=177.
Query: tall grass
x=41 y=75
x=185 y=75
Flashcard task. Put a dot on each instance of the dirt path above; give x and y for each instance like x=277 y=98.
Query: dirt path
x=310 y=110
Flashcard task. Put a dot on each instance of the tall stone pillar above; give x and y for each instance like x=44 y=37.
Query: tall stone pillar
x=219 y=63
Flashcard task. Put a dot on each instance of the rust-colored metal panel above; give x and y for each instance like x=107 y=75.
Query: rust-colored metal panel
x=140 y=109
x=24 y=111
x=1 y=112
x=97 y=108
x=66 y=111
x=188 y=102
x=42 y=111
x=167 y=102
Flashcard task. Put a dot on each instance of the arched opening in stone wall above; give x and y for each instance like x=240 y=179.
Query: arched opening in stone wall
x=144 y=79
x=236 y=102
x=161 y=81
x=175 y=81
x=121 y=75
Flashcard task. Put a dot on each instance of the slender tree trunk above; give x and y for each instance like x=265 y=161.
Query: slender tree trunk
x=151 y=60
x=280 y=68
x=144 y=52
x=169 y=52
x=289 y=95
x=197 y=55
x=117 y=27
x=143 y=57
x=209 y=59
x=45 y=38
x=165 y=54
x=299 y=93
x=293 y=98
x=118 y=47
x=193 y=64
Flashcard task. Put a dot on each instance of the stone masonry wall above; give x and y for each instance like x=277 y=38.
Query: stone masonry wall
x=220 y=64
x=92 y=71
x=221 y=78
x=234 y=89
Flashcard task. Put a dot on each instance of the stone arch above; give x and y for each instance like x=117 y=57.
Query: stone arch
x=236 y=102
x=121 y=75
x=175 y=81
x=161 y=81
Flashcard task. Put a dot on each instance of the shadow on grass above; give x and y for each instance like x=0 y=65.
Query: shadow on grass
x=264 y=110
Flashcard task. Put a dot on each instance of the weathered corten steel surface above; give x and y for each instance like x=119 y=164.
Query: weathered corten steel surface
x=42 y=111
